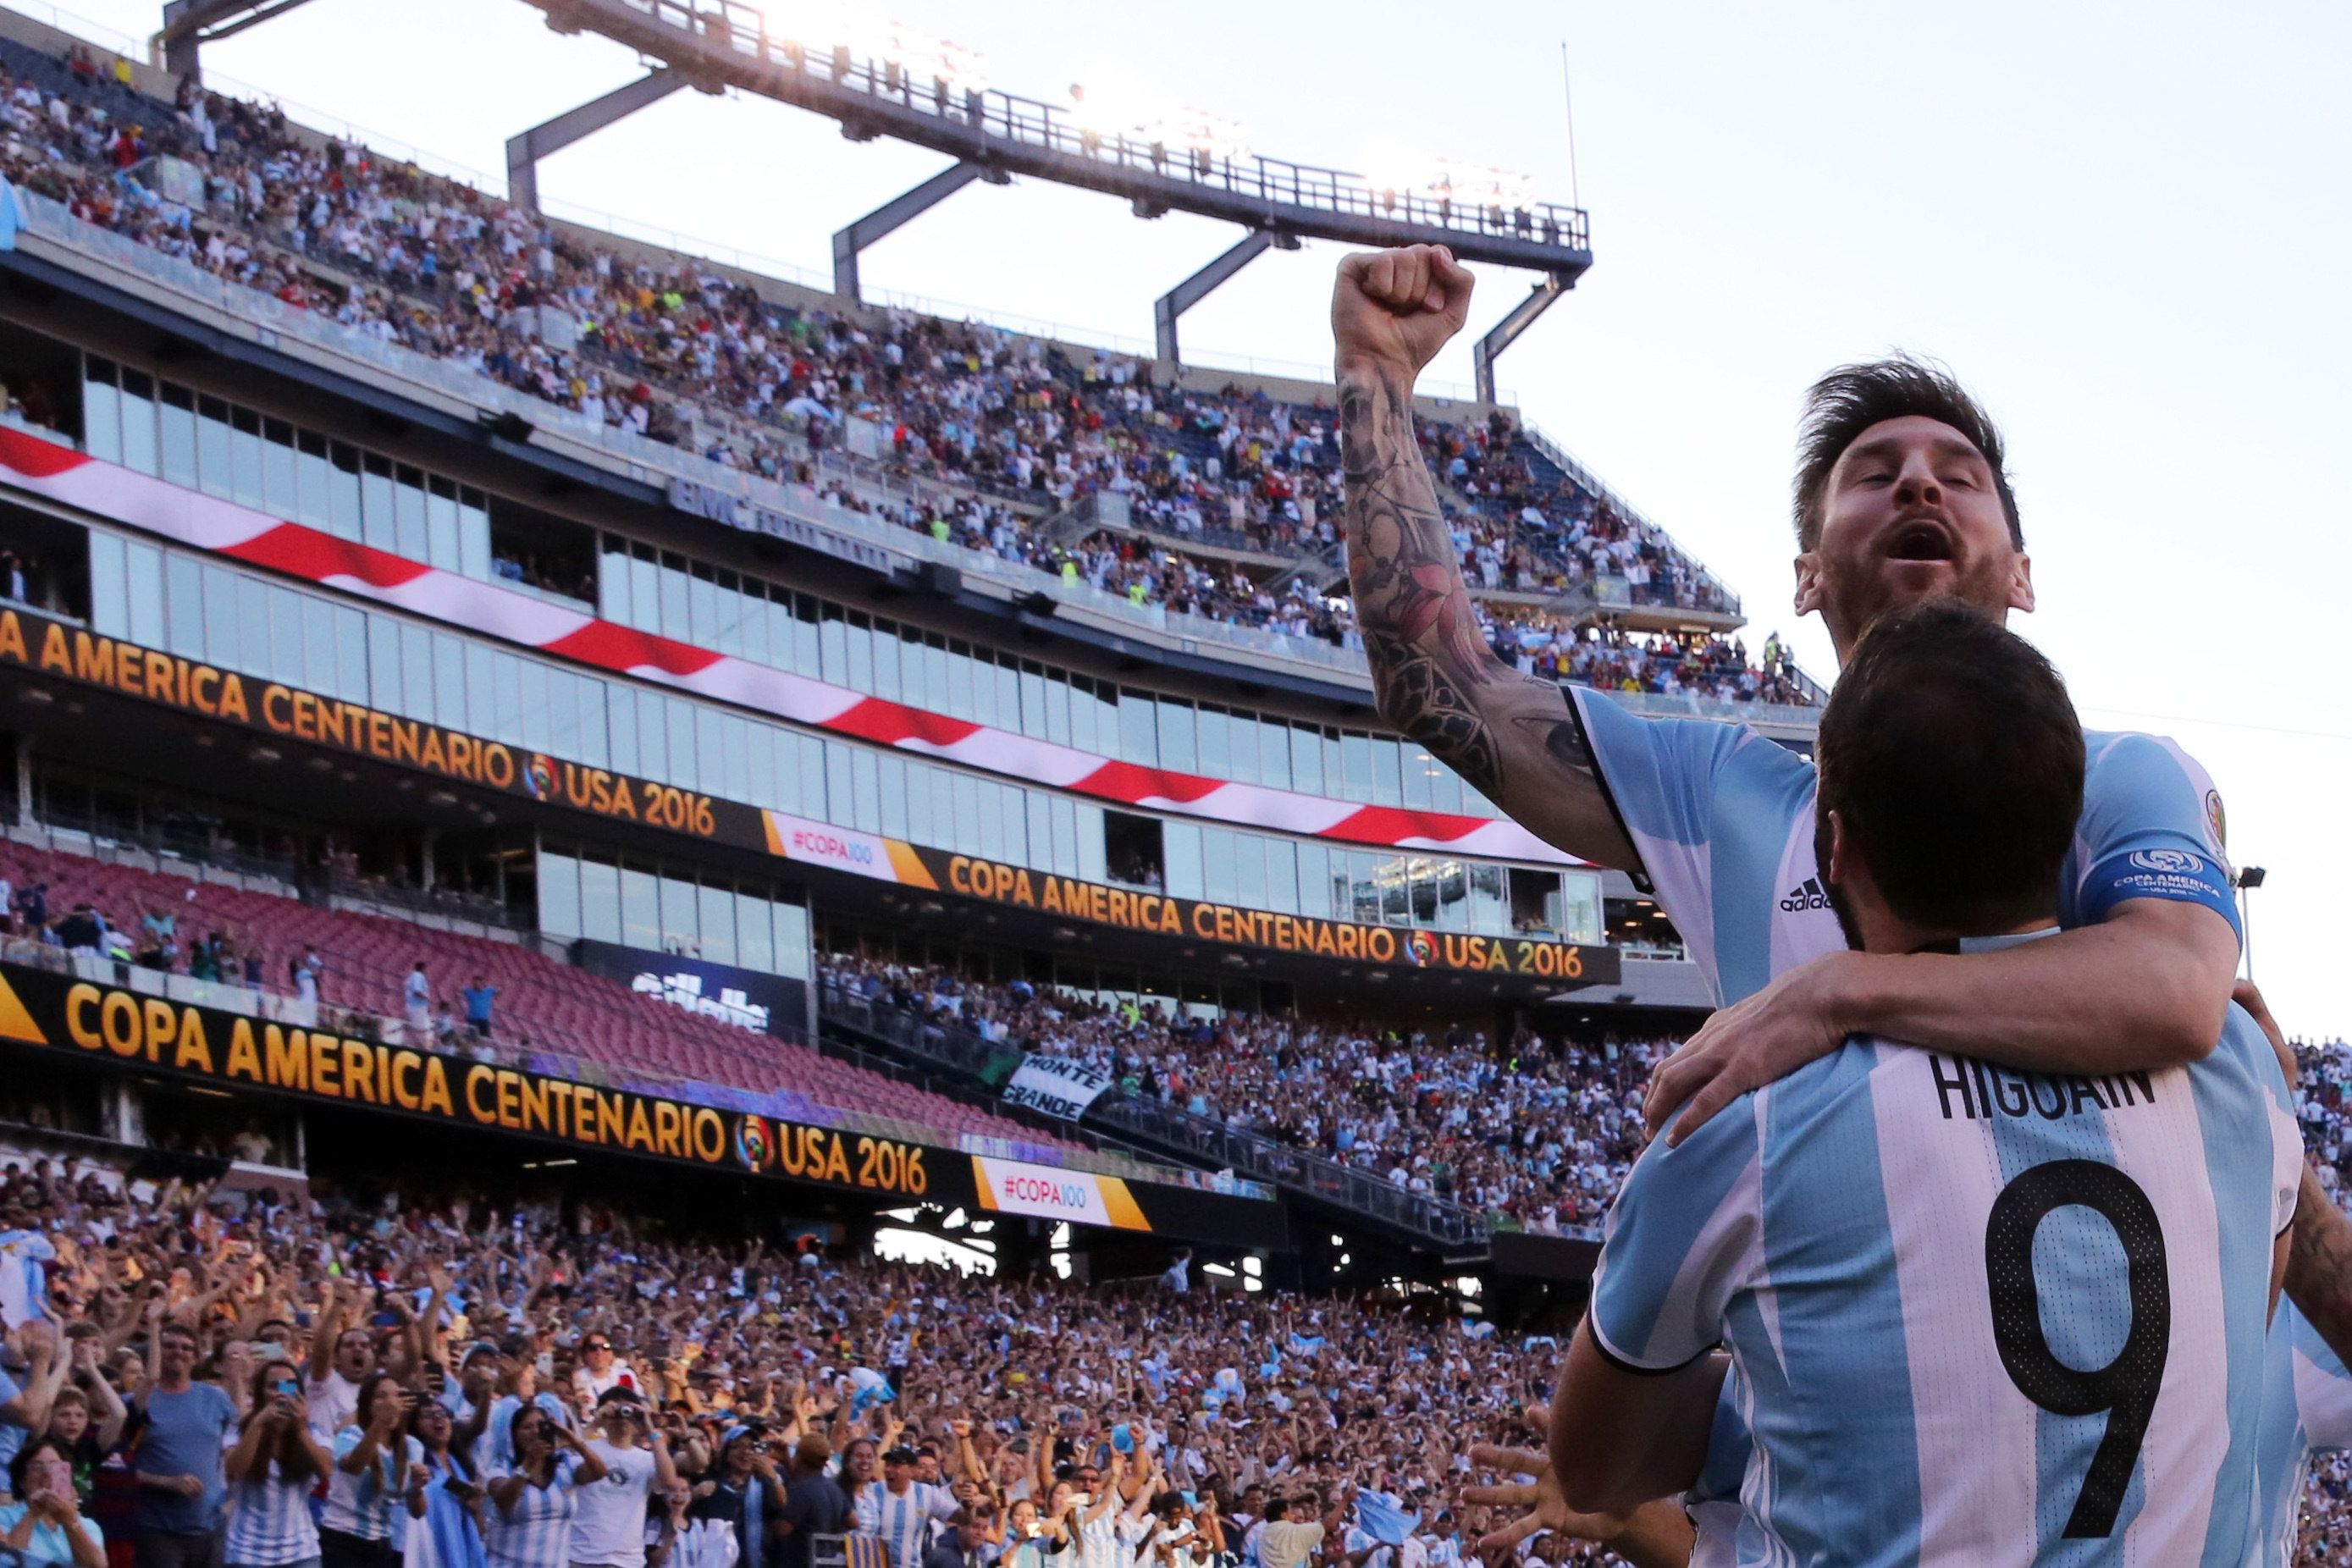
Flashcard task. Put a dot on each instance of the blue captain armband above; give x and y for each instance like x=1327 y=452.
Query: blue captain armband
x=2182 y=876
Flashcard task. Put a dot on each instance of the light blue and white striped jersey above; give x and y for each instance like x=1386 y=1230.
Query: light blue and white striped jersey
x=2306 y=1409
x=371 y=1504
x=498 y=1432
x=536 y=1530
x=269 y=1522
x=1912 y=1257
x=903 y=1519
x=1723 y=819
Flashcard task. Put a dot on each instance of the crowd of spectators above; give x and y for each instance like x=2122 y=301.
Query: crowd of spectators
x=1533 y=1136
x=185 y=1366
x=681 y=353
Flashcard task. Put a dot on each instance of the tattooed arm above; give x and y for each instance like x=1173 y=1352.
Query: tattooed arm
x=1509 y=736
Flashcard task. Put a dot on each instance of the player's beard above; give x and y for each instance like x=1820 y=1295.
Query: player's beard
x=1855 y=593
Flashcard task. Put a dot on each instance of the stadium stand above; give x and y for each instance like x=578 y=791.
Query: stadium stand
x=546 y=1014
x=684 y=355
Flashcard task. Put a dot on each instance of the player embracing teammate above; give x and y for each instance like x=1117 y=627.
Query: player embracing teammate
x=2023 y=1317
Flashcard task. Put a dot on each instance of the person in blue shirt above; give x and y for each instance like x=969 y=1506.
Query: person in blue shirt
x=44 y=1526
x=182 y=1490
x=1973 y=1312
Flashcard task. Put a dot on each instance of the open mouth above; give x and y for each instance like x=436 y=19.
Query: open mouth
x=1923 y=539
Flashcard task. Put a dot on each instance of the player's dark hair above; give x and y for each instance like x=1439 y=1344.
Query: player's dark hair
x=1952 y=756
x=1851 y=398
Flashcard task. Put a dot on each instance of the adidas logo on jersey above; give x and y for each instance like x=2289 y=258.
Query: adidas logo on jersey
x=1807 y=897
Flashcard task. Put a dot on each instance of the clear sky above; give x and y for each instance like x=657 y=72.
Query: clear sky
x=2125 y=226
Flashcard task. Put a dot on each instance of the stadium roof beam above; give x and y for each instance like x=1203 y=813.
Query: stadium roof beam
x=1198 y=286
x=524 y=151
x=188 y=24
x=1507 y=331
x=848 y=242
x=730 y=42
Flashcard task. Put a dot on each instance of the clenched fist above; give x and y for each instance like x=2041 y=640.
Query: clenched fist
x=1397 y=308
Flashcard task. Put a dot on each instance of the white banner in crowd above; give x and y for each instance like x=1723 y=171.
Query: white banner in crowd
x=1054 y=1085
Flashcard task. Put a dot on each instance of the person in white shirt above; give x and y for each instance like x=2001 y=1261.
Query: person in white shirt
x=608 y=1526
x=418 y=991
x=900 y=1509
x=601 y=1372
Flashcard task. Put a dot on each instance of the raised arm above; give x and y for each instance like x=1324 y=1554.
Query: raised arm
x=1511 y=736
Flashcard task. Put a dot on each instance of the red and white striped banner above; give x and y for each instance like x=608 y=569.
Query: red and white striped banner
x=468 y=604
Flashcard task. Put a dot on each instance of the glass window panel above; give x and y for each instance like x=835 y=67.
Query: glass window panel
x=535 y=705
x=702 y=610
x=139 y=444
x=102 y=413
x=1139 y=729
x=1418 y=766
x=839 y=804
x=960 y=702
x=245 y=458
x=833 y=646
x=1065 y=837
x=676 y=620
x=1388 y=770
x=1033 y=703
x=613 y=581
x=184 y=606
x=1335 y=777
x=482 y=706
x=110 y=594
x=1035 y=830
x=596 y=735
x=736 y=735
x=1008 y=696
x=992 y=821
x=755 y=933
x=1364 y=887
x=886 y=647
x=279 y=492
x=286 y=644
x=678 y=720
x=600 y=901
x=645 y=595
x=177 y=410
x=935 y=675
x=416 y=670
x=1057 y=711
x=1314 y=881
x=814 y=779
x=1215 y=742
x=221 y=645
x=681 y=916
x=913 y=690
x=473 y=533
x=211 y=447
x=860 y=638
x=408 y=512
x=752 y=634
x=449 y=687
x=718 y=924
x=780 y=632
x=377 y=525
x=1242 y=765
x=918 y=803
x=1356 y=760
x=806 y=658
x=621 y=719
x=1092 y=849
x=792 y=959
x=505 y=696
x=441 y=548
x=563 y=713
x=865 y=784
x=384 y=664
x=351 y=652
x=1282 y=875
x=1453 y=897
x=1217 y=865
x=253 y=607
x=321 y=661
x=344 y=492
x=1178 y=749
x=759 y=765
x=1444 y=788
x=558 y=895
x=313 y=487
x=1274 y=753
x=1180 y=849
x=1249 y=870
x=709 y=749
x=640 y=909
x=894 y=787
x=143 y=572
x=964 y=791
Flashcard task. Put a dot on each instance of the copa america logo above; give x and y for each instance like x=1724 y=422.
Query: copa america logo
x=2168 y=862
x=751 y=1141
x=540 y=776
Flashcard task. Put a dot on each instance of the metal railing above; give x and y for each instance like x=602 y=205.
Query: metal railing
x=1212 y=1142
